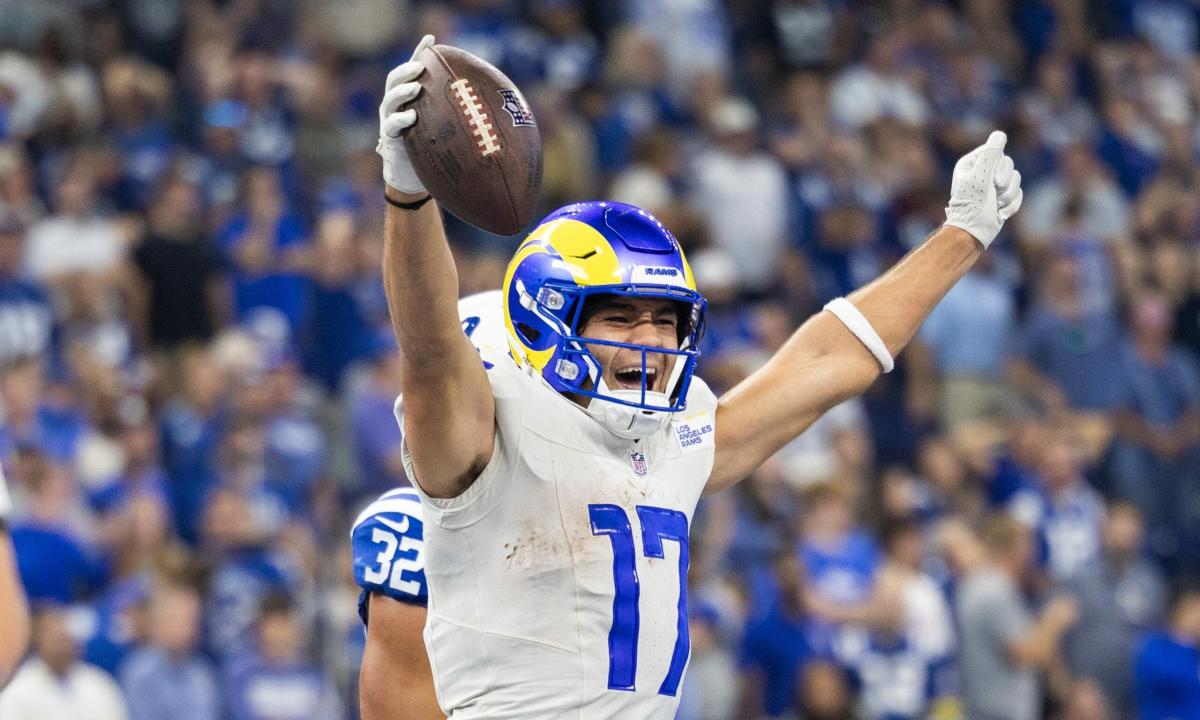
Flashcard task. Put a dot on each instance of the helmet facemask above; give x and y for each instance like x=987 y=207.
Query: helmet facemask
x=575 y=369
x=581 y=252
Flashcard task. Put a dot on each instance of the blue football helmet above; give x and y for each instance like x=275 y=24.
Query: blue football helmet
x=586 y=250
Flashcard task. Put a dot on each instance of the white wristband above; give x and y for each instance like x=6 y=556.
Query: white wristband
x=858 y=324
x=5 y=500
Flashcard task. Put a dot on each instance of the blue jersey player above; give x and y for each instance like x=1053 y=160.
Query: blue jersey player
x=387 y=541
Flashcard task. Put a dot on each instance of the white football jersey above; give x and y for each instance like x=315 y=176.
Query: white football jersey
x=557 y=581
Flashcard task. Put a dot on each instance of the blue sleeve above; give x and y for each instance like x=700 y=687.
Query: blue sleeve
x=388 y=543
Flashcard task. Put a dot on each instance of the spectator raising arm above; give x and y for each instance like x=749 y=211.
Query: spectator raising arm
x=1038 y=646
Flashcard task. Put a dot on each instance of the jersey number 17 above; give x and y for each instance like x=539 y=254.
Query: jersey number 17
x=658 y=524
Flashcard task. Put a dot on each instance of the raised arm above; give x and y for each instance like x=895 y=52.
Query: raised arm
x=828 y=360
x=448 y=406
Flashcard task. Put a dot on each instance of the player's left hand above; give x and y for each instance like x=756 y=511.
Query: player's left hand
x=985 y=191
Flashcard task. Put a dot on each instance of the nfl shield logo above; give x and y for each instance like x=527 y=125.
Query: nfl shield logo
x=639 y=462
x=515 y=106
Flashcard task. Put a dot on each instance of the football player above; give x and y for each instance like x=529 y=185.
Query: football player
x=558 y=490
x=15 y=635
x=387 y=541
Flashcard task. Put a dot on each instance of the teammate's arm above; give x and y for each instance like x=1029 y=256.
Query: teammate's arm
x=13 y=609
x=825 y=363
x=449 y=409
x=395 y=680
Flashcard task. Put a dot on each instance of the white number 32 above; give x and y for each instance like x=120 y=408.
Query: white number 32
x=391 y=568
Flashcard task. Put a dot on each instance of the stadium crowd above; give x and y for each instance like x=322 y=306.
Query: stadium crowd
x=198 y=376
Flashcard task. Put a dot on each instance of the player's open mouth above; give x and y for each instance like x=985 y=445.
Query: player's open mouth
x=630 y=377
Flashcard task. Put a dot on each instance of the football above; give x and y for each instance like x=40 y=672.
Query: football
x=475 y=144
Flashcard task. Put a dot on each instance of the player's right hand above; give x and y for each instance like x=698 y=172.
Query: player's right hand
x=401 y=88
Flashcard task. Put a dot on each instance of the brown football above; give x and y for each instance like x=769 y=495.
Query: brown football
x=475 y=144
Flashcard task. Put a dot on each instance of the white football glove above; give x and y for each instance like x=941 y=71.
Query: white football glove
x=985 y=191
x=401 y=89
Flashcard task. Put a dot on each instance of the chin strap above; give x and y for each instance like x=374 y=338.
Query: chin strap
x=624 y=421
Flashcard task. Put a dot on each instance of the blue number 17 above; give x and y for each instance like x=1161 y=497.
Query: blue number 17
x=658 y=524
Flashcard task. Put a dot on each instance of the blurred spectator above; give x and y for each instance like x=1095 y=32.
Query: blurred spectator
x=741 y=193
x=825 y=693
x=55 y=562
x=776 y=646
x=54 y=684
x=76 y=239
x=136 y=97
x=1166 y=683
x=836 y=446
x=924 y=614
x=652 y=180
x=341 y=329
x=26 y=318
x=1055 y=109
x=19 y=200
x=945 y=488
x=809 y=33
x=840 y=558
x=1159 y=425
x=138 y=542
x=1120 y=594
x=568 y=168
x=1003 y=645
x=26 y=94
x=693 y=35
x=877 y=89
x=1066 y=352
x=294 y=444
x=278 y=682
x=247 y=570
x=168 y=679
x=712 y=691
x=899 y=646
x=1101 y=210
x=192 y=423
x=181 y=267
x=961 y=350
x=1063 y=510
x=376 y=433
x=265 y=243
x=893 y=678
x=1129 y=144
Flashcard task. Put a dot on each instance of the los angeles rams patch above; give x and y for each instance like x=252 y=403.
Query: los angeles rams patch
x=695 y=433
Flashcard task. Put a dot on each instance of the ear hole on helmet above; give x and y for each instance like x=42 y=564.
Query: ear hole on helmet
x=529 y=333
